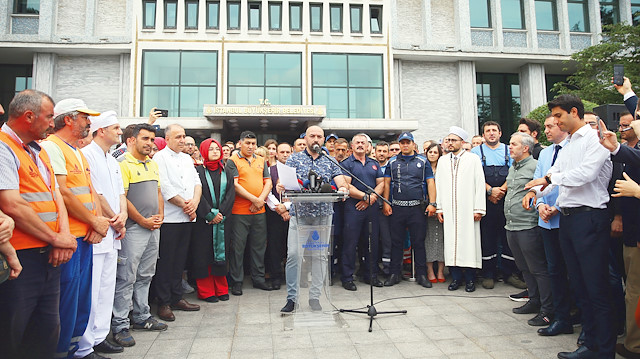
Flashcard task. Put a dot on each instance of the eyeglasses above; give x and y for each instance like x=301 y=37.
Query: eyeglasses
x=624 y=126
x=394 y=149
x=190 y=144
x=452 y=140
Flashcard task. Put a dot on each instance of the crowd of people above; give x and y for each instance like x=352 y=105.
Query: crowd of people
x=97 y=222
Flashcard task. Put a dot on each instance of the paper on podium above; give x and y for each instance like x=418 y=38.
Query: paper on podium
x=287 y=176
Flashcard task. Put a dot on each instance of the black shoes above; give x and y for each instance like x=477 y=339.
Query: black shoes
x=541 y=319
x=393 y=280
x=108 y=347
x=423 y=281
x=581 y=353
x=275 y=284
x=528 y=308
x=314 y=304
x=262 y=285
x=224 y=297
x=556 y=328
x=93 y=355
x=236 y=289
x=289 y=307
x=470 y=286
x=520 y=297
x=349 y=285
x=374 y=281
x=211 y=299
x=454 y=285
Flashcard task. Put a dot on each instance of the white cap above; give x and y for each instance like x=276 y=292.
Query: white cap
x=70 y=105
x=105 y=119
x=459 y=132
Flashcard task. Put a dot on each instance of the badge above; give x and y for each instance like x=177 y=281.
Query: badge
x=375 y=168
x=419 y=164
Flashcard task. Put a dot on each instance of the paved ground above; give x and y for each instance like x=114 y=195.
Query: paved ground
x=439 y=324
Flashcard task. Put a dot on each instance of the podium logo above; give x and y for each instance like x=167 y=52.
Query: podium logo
x=314 y=243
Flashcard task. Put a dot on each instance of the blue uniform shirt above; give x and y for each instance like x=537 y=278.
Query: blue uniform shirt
x=493 y=157
x=368 y=173
x=544 y=163
x=409 y=175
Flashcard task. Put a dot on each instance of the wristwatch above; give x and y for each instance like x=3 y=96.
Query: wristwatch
x=548 y=179
x=435 y=204
x=365 y=197
x=489 y=191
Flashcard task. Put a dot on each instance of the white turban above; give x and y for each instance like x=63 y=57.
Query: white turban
x=459 y=132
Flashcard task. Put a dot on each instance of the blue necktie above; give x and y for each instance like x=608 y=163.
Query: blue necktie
x=555 y=154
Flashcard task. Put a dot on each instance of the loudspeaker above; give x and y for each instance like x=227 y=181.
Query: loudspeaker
x=610 y=114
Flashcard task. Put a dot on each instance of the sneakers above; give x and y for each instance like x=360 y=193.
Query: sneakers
x=289 y=307
x=540 y=320
x=516 y=282
x=488 y=283
x=186 y=288
x=150 y=324
x=528 y=308
x=124 y=338
x=314 y=304
x=520 y=297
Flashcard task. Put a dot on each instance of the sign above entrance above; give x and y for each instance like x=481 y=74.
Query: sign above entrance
x=265 y=110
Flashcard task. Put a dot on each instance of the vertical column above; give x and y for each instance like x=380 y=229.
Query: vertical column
x=44 y=65
x=625 y=12
x=124 y=96
x=463 y=22
x=467 y=95
x=533 y=91
x=90 y=19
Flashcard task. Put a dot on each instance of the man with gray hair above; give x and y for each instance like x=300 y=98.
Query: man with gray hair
x=523 y=237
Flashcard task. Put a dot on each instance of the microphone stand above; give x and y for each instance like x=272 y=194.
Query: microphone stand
x=371 y=311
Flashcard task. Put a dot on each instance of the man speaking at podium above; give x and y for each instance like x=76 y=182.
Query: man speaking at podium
x=309 y=160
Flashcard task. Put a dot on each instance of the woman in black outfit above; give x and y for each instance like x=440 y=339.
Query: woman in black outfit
x=212 y=230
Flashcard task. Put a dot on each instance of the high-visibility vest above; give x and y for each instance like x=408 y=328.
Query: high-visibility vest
x=35 y=191
x=78 y=182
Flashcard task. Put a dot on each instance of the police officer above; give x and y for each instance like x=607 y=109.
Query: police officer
x=361 y=213
x=408 y=180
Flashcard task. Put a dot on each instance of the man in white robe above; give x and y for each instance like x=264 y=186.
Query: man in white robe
x=460 y=193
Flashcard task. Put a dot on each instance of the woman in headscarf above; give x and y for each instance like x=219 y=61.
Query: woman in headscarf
x=212 y=229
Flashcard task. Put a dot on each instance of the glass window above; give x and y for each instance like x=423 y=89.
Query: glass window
x=295 y=16
x=480 y=16
x=609 y=12
x=170 y=14
x=375 y=15
x=149 y=14
x=578 y=15
x=635 y=12
x=180 y=81
x=275 y=16
x=213 y=15
x=191 y=14
x=551 y=80
x=512 y=14
x=349 y=85
x=335 y=12
x=254 y=16
x=265 y=75
x=355 y=15
x=499 y=100
x=233 y=15
x=315 y=12
x=26 y=7
x=546 y=18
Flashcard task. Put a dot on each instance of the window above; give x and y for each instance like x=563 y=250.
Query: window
x=349 y=85
x=315 y=12
x=355 y=15
x=375 y=15
x=609 y=12
x=254 y=15
x=149 y=14
x=578 y=15
x=275 y=16
x=26 y=7
x=295 y=16
x=551 y=80
x=233 y=15
x=180 y=81
x=265 y=75
x=512 y=14
x=480 y=16
x=335 y=12
x=191 y=14
x=499 y=100
x=170 y=14
x=635 y=12
x=546 y=15
x=213 y=15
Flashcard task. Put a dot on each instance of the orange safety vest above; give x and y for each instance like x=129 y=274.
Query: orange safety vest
x=35 y=191
x=78 y=182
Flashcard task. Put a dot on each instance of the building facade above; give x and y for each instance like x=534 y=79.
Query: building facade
x=380 y=66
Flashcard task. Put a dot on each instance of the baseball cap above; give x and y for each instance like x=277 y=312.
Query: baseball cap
x=72 y=104
x=247 y=134
x=405 y=136
x=331 y=135
x=105 y=119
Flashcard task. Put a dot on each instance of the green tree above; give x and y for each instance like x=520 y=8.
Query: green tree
x=594 y=65
x=540 y=113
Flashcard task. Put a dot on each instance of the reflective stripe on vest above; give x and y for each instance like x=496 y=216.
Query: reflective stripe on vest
x=78 y=182
x=35 y=191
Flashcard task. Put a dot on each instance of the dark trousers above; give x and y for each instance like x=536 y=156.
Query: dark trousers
x=277 y=231
x=385 y=242
x=356 y=225
x=584 y=240
x=248 y=229
x=458 y=272
x=528 y=250
x=174 y=248
x=493 y=238
x=411 y=218
x=560 y=291
x=30 y=323
x=616 y=272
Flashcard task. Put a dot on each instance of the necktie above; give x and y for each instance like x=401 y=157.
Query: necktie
x=555 y=154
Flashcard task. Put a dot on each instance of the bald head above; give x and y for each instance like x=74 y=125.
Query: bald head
x=314 y=136
x=175 y=137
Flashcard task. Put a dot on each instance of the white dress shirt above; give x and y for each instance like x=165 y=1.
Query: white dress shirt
x=178 y=177
x=107 y=181
x=582 y=171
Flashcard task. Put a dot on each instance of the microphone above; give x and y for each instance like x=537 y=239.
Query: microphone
x=313 y=181
x=316 y=148
x=326 y=188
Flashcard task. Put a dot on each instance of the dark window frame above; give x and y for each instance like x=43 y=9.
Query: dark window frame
x=523 y=25
x=585 y=14
x=166 y=3
x=341 y=8
x=361 y=10
x=311 y=7
x=615 y=4
x=554 y=10
x=186 y=14
x=144 y=13
x=17 y=9
x=489 y=19
x=213 y=2
x=279 y=4
x=229 y=4
x=378 y=18
x=300 y=17
x=250 y=6
x=635 y=5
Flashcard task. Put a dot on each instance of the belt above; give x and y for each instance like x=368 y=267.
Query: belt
x=415 y=202
x=575 y=210
x=38 y=250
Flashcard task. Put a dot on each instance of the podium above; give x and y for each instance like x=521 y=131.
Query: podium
x=309 y=251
